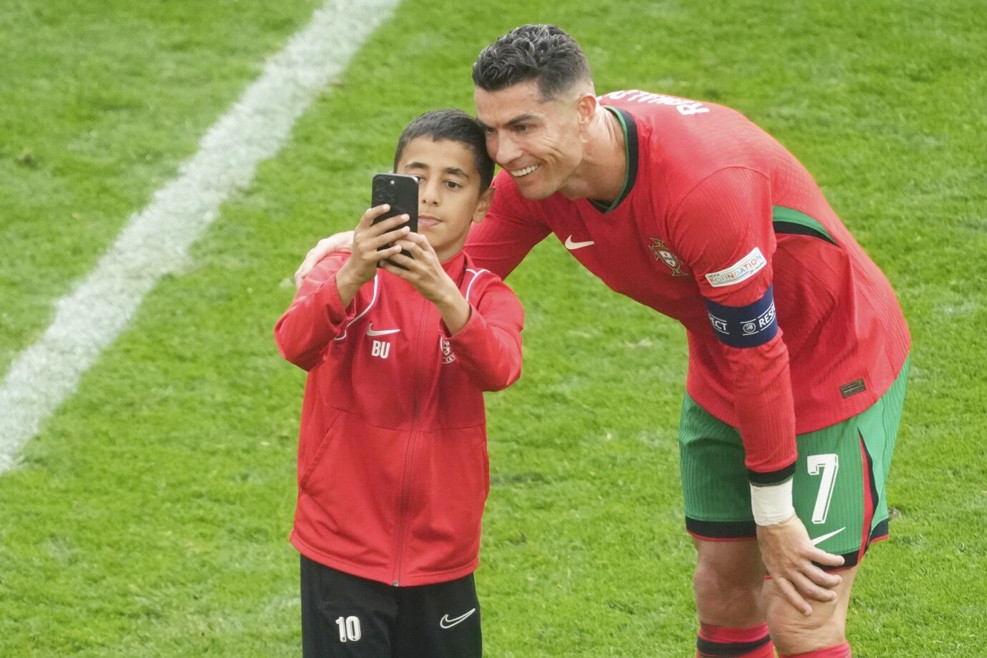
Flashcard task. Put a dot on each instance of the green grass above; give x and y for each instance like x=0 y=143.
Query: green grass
x=150 y=517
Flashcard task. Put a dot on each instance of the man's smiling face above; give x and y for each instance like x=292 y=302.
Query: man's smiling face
x=537 y=141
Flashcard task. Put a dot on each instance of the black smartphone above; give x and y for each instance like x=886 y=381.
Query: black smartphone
x=399 y=191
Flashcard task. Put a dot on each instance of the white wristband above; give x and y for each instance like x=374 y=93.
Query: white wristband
x=772 y=504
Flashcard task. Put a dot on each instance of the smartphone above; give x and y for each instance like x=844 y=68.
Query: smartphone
x=399 y=191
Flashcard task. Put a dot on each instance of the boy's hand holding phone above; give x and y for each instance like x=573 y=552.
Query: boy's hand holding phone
x=373 y=241
x=399 y=193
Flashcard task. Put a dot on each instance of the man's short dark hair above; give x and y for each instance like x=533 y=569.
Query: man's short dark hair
x=545 y=53
x=454 y=125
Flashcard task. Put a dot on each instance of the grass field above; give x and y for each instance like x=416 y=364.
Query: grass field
x=149 y=517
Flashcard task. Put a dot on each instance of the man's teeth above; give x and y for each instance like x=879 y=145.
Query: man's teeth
x=523 y=172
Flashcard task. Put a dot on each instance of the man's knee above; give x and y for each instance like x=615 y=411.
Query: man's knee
x=727 y=584
x=795 y=633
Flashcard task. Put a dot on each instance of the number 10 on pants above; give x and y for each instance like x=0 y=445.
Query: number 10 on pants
x=349 y=629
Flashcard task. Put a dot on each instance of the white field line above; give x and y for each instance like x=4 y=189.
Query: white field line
x=156 y=241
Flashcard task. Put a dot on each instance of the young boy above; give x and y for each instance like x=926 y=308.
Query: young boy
x=393 y=471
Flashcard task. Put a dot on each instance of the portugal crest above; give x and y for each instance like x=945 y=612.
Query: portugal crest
x=661 y=252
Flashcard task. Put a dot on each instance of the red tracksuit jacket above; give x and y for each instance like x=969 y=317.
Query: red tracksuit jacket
x=393 y=471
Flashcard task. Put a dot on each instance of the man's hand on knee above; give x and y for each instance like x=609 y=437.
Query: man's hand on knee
x=789 y=557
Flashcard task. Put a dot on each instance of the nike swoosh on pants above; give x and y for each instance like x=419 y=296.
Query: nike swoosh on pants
x=447 y=623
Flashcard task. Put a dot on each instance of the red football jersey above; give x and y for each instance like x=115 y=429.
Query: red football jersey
x=791 y=327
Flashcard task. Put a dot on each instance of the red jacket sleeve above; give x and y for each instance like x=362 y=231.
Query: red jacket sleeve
x=315 y=317
x=507 y=233
x=488 y=347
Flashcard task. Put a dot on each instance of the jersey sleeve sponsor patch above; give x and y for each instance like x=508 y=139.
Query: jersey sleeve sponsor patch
x=745 y=326
x=742 y=270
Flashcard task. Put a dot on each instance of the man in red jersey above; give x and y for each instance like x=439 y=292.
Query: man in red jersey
x=798 y=350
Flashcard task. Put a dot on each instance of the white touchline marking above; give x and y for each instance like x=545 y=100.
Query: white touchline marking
x=156 y=241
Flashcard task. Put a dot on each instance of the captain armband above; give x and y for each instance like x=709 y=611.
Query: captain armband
x=745 y=326
x=772 y=503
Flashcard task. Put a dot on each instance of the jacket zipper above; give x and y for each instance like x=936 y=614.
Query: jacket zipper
x=409 y=453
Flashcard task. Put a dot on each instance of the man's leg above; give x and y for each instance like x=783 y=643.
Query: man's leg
x=733 y=600
x=819 y=635
x=729 y=573
x=728 y=581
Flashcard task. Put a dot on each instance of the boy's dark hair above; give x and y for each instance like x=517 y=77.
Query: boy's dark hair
x=453 y=125
x=545 y=53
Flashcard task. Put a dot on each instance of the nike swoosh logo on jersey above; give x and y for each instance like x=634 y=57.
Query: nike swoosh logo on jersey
x=447 y=623
x=819 y=540
x=380 y=332
x=572 y=245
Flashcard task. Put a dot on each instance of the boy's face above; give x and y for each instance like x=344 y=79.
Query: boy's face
x=449 y=198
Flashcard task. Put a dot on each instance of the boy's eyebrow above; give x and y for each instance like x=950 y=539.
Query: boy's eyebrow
x=455 y=171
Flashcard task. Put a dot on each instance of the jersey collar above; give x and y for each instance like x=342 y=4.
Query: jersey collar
x=630 y=152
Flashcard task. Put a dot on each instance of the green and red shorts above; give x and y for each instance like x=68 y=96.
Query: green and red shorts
x=839 y=487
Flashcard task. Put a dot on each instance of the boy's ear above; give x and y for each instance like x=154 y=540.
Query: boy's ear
x=483 y=205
